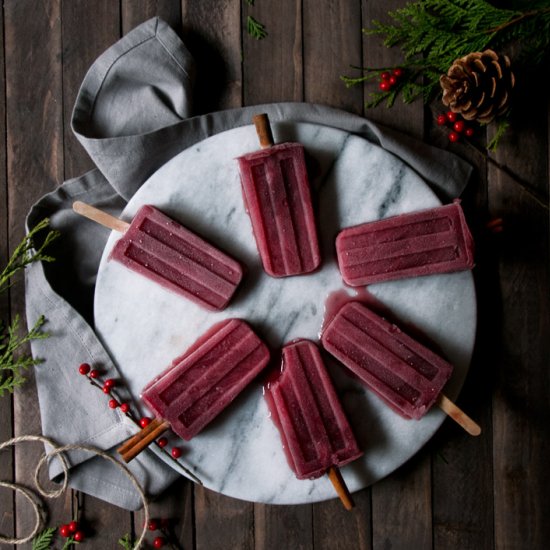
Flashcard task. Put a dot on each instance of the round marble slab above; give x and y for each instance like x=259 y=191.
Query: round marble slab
x=143 y=326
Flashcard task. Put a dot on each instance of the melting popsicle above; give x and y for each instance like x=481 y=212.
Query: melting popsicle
x=409 y=245
x=167 y=253
x=201 y=383
x=402 y=372
x=304 y=406
x=277 y=196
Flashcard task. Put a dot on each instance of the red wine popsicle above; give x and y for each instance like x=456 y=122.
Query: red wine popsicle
x=167 y=253
x=200 y=384
x=304 y=406
x=409 y=245
x=277 y=196
x=401 y=371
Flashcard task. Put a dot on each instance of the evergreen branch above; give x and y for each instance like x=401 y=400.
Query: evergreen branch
x=26 y=253
x=255 y=28
x=43 y=540
x=12 y=366
x=126 y=542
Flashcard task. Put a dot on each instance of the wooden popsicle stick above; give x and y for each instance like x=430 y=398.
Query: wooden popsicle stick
x=458 y=415
x=98 y=216
x=340 y=486
x=133 y=446
x=263 y=129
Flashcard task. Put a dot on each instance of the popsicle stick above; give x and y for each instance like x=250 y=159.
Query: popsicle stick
x=458 y=415
x=133 y=446
x=263 y=129
x=341 y=488
x=98 y=216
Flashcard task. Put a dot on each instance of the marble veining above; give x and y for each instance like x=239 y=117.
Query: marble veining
x=144 y=327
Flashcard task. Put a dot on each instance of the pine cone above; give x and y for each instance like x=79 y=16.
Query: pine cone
x=478 y=86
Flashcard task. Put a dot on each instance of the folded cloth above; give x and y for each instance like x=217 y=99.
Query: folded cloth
x=132 y=115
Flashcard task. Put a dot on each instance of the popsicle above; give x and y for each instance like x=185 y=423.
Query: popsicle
x=400 y=370
x=277 y=197
x=304 y=406
x=409 y=245
x=167 y=253
x=201 y=383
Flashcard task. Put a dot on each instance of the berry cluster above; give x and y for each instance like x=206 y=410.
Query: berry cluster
x=161 y=525
x=108 y=387
x=458 y=126
x=388 y=79
x=72 y=531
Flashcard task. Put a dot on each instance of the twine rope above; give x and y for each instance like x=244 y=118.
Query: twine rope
x=35 y=501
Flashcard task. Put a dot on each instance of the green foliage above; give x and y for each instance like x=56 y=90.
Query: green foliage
x=255 y=29
x=13 y=363
x=126 y=542
x=434 y=33
x=43 y=540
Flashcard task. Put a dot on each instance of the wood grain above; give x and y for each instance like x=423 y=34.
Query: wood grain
x=212 y=33
x=273 y=67
x=6 y=402
x=34 y=134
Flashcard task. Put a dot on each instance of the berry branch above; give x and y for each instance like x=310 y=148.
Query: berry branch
x=108 y=387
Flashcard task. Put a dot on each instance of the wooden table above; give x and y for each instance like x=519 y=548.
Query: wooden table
x=458 y=492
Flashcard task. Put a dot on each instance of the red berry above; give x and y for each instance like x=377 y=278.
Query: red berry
x=145 y=421
x=176 y=452
x=385 y=75
x=451 y=117
x=453 y=137
x=73 y=526
x=153 y=525
x=392 y=80
x=109 y=383
x=384 y=85
x=441 y=120
x=469 y=131
x=84 y=369
x=64 y=531
x=106 y=389
x=398 y=72
x=113 y=403
x=162 y=442
x=459 y=126
x=78 y=536
x=94 y=373
x=159 y=542
x=124 y=407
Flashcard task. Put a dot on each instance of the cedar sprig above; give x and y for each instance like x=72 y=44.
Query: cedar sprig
x=27 y=252
x=43 y=540
x=434 y=33
x=255 y=29
x=12 y=363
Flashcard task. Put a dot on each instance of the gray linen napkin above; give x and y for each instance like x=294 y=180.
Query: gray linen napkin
x=132 y=115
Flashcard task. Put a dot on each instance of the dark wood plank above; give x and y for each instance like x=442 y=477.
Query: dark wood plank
x=520 y=404
x=401 y=503
x=283 y=527
x=7 y=519
x=273 y=67
x=326 y=60
x=466 y=519
x=34 y=166
x=212 y=33
x=135 y=12
x=222 y=522
x=82 y=44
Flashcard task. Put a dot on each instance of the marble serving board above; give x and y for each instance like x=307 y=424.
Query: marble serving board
x=144 y=326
